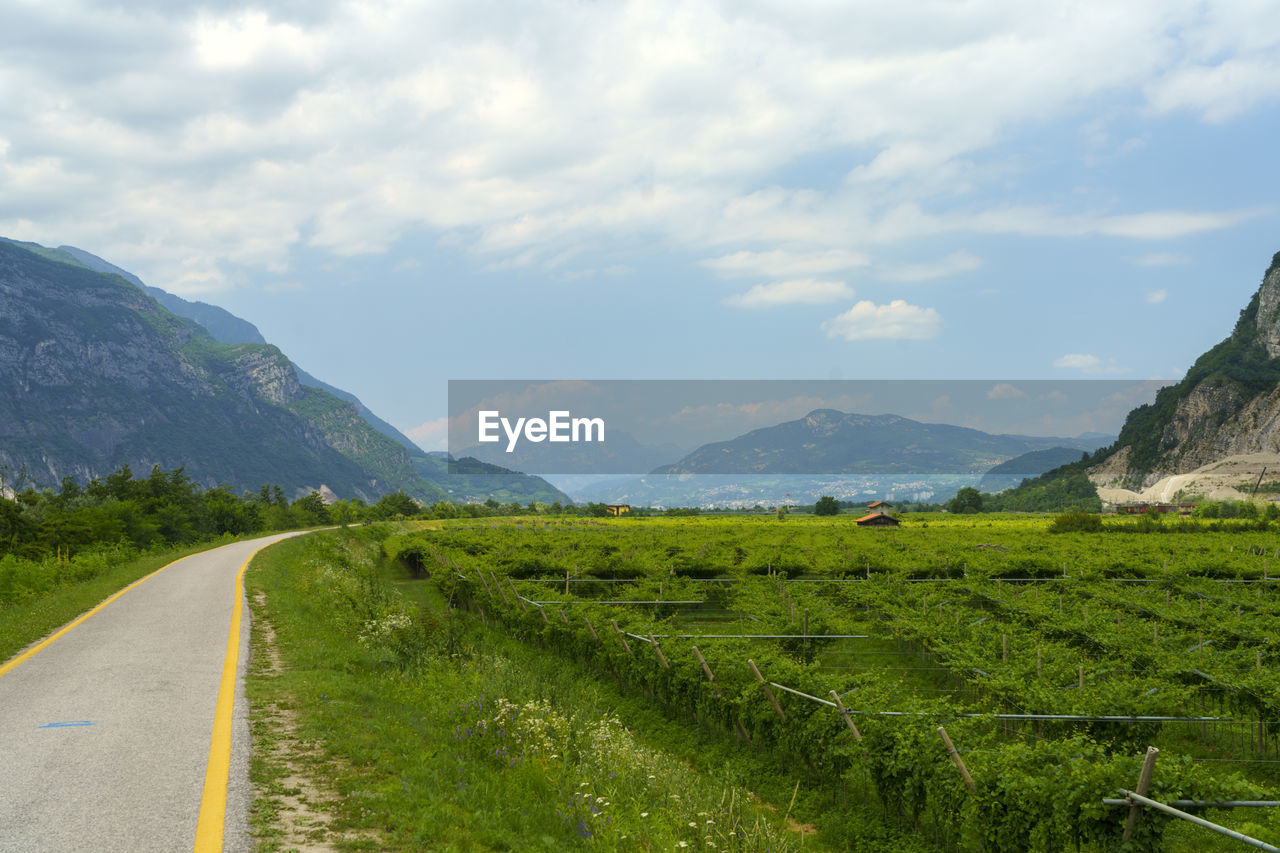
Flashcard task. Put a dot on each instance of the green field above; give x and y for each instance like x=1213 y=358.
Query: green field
x=985 y=625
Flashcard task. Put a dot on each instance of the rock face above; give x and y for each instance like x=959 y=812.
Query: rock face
x=1268 y=321
x=1228 y=404
x=94 y=375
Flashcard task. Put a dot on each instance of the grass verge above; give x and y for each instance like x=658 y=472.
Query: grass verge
x=26 y=621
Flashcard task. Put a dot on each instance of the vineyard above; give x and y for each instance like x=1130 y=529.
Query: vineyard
x=988 y=682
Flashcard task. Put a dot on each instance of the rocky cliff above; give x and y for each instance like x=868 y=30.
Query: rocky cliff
x=1228 y=404
x=94 y=374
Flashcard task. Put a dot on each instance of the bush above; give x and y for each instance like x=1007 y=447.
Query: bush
x=1076 y=522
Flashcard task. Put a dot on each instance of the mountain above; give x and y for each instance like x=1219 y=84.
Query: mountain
x=848 y=456
x=826 y=441
x=1228 y=404
x=1006 y=475
x=96 y=374
x=1226 y=407
x=227 y=328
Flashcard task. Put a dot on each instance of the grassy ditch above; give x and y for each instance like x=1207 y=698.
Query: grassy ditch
x=422 y=730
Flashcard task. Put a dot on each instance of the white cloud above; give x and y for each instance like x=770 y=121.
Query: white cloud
x=898 y=319
x=1005 y=391
x=188 y=143
x=784 y=262
x=1087 y=363
x=952 y=264
x=1155 y=297
x=430 y=435
x=804 y=291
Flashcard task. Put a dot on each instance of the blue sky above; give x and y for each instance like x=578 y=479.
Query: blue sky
x=403 y=193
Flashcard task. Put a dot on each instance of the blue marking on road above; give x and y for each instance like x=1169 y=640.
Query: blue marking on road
x=68 y=725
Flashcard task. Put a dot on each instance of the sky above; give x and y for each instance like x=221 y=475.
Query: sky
x=400 y=194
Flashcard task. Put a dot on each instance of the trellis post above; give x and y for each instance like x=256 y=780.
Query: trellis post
x=844 y=712
x=621 y=636
x=957 y=760
x=658 y=649
x=767 y=692
x=1144 y=783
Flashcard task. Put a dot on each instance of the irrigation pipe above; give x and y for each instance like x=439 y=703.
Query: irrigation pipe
x=1170 y=810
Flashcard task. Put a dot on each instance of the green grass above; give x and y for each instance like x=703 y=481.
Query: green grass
x=30 y=619
x=445 y=735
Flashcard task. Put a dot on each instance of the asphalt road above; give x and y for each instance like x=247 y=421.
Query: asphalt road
x=105 y=733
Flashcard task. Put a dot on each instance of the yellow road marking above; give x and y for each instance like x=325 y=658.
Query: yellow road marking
x=49 y=640
x=213 y=803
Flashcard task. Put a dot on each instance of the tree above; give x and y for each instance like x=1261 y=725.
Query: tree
x=396 y=503
x=967 y=499
x=826 y=505
x=311 y=509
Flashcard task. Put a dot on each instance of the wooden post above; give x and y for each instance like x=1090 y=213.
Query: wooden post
x=564 y=617
x=1038 y=659
x=806 y=627
x=1144 y=782
x=1004 y=648
x=706 y=670
x=545 y=617
x=844 y=712
x=485 y=582
x=957 y=760
x=767 y=692
x=591 y=628
x=1258 y=659
x=711 y=677
x=658 y=649
x=1082 y=678
x=516 y=593
x=501 y=591
x=621 y=636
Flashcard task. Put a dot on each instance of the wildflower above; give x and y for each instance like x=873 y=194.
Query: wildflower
x=644 y=814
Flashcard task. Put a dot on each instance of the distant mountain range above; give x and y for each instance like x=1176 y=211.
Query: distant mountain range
x=848 y=456
x=97 y=371
x=826 y=441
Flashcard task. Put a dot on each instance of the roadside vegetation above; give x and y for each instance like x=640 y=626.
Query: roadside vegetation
x=423 y=728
